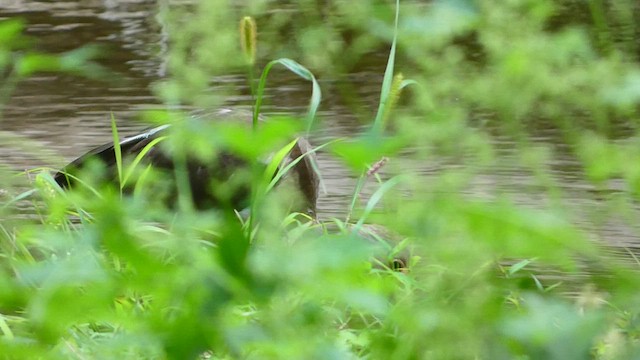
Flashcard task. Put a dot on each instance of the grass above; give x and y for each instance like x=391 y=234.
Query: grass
x=99 y=274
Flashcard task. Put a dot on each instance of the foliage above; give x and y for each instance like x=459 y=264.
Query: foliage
x=101 y=274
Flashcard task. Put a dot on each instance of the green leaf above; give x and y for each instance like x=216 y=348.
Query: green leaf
x=296 y=68
x=377 y=196
x=365 y=150
x=131 y=168
x=11 y=33
x=117 y=150
x=293 y=163
x=519 y=266
x=239 y=139
x=277 y=160
x=233 y=249
x=32 y=63
x=388 y=75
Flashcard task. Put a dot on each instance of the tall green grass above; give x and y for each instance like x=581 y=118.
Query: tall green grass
x=97 y=274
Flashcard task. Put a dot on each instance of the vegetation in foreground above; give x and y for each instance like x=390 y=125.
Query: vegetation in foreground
x=101 y=274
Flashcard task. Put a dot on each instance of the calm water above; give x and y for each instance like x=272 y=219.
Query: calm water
x=68 y=115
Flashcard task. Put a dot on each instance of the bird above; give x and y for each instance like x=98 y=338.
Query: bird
x=302 y=179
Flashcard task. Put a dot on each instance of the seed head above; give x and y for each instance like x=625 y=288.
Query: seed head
x=248 y=38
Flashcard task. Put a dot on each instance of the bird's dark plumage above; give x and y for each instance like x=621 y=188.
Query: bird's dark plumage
x=202 y=177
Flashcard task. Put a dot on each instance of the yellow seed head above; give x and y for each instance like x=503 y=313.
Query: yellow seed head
x=248 y=38
x=394 y=96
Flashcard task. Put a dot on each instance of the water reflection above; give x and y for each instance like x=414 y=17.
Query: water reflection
x=63 y=116
x=68 y=115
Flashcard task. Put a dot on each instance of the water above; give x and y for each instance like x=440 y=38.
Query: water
x=59 y=117
x=62 y=116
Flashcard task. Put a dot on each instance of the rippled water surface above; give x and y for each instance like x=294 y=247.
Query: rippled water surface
x=67 y=115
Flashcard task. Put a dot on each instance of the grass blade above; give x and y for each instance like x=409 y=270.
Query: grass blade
x=296 y=68
x=286 y=169
x=139 y=158
x=277 y=160
x=376 y=197
x=17 y=198
x=117 y=150
x=388 y=75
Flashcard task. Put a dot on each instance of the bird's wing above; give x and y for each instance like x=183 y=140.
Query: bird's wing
x=107 y=155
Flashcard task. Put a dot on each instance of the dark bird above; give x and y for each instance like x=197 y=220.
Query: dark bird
x=302 y=180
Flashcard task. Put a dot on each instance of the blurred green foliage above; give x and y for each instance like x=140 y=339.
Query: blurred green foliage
x=95 y=274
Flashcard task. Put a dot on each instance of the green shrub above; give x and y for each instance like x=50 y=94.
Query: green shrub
x=102 y=274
